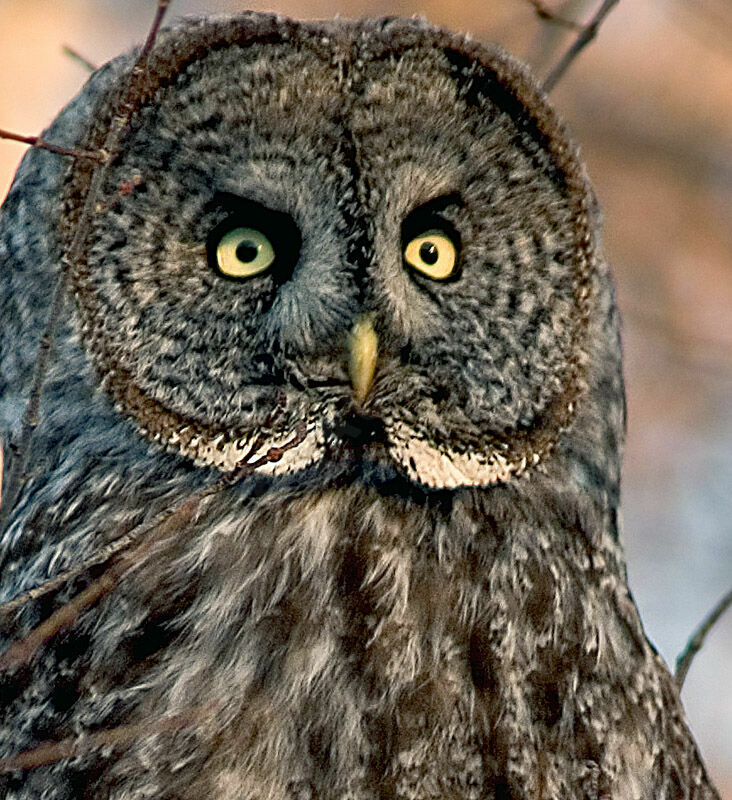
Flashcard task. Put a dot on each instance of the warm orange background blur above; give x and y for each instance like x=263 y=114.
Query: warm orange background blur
x=651 y=103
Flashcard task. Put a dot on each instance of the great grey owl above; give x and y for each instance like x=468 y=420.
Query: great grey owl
x=372 y=242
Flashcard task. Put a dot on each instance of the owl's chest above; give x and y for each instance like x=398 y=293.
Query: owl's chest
x=327 y=646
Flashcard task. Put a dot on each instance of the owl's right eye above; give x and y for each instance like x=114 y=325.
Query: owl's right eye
x=244 y=252
x=252 y=241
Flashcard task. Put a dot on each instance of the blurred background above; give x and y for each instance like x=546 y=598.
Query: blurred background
x=650 y=101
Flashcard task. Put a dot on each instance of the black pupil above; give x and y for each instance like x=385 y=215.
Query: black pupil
x=428 y=253
x=246 y=251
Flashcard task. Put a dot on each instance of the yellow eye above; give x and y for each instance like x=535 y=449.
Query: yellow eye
x=244 y=252
x=433 y=254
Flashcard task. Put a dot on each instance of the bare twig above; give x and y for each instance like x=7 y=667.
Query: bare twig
x=140 y=533
x=694 y=645
x=75 y=55
x=23 y=651
x=585 y=36
x=121 y=736
x=42 y=144
x=117 y=545
x=547 y=15
x=167 y=524
x=152 y=34
x=19 y=463
x=108 y=151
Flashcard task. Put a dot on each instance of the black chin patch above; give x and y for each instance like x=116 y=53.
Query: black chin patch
x=357 y=430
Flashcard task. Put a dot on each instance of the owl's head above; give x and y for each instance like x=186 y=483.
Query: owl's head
x=376 y=229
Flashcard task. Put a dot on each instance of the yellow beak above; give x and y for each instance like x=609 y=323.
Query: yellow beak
x=363 y=349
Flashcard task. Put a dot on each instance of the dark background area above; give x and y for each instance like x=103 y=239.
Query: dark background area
x=650 y=102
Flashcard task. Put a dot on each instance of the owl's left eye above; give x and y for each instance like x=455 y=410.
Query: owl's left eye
x=430 y=242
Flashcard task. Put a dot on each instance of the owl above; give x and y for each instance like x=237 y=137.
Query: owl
x=342 y=285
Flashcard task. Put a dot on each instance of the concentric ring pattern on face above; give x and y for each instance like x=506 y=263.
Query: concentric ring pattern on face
x=320 y=183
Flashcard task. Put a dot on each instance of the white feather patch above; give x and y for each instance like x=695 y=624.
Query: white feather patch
x=446 y=468
x=227 y=456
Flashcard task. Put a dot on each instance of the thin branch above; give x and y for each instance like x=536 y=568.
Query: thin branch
x=164 y=526
x=22 y=652
x=177 y=516
x=120 y=543
x=694 y=645
x=547 y=15
x=76 y=56
x=586 y=35
x=19 y=463
x=153 y=33
x=121 y=736
x=110 y=148
x=102 y=555
x=42 y=144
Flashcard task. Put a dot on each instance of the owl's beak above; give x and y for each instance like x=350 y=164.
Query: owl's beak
x=363 y=348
